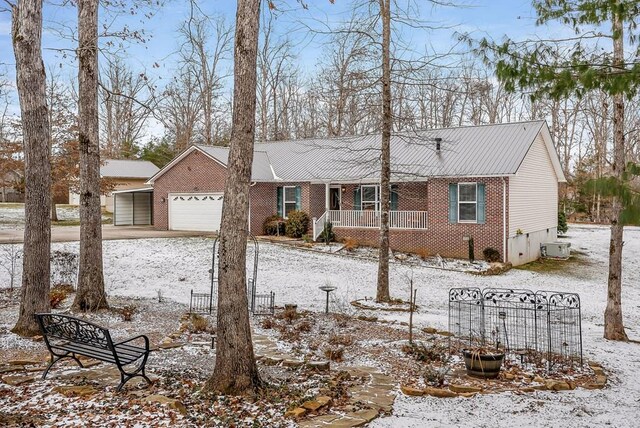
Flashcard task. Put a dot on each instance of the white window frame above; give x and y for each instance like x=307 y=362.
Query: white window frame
x=375 y=202
x=475 y=203
x=285 y=201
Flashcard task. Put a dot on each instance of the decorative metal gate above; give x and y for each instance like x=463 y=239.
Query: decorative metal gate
x=518 y=321
x=259 y=304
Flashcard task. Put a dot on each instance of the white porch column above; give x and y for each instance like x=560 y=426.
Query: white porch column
x=327 y=186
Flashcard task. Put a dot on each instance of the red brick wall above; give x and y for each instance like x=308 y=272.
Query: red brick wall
x=317 y=200
x=264 y=202
x=441 y=237
x=195 y=173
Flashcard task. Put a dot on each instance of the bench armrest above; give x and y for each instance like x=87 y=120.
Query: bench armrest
x=142 y=336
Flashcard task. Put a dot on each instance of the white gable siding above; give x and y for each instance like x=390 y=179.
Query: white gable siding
x=533 y=192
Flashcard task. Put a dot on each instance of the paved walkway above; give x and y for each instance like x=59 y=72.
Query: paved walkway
x=109 y=232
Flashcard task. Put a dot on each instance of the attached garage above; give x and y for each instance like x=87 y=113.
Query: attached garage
x=133 y=207
x=195 y=211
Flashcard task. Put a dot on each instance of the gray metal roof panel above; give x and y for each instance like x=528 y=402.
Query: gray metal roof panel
x=126 y=168
x=261 y=169
x=485 y=150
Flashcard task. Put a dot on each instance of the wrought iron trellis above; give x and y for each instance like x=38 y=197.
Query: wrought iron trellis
x=518 y=321
x=259 y=304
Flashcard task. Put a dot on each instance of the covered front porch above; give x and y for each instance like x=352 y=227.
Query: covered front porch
x=363 y=209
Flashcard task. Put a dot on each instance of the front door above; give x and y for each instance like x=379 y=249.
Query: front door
x=334 y=198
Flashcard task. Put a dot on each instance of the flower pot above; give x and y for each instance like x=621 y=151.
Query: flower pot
x=481 y=364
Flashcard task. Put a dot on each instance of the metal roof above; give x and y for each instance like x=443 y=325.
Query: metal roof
x=261 y=169
x=140 y=190
x=488 y=150
x=468 y=151
x=125 y=168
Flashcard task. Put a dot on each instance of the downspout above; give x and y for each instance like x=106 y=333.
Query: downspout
x=504 y=220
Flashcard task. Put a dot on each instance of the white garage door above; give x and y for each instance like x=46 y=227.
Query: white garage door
x=197 y=211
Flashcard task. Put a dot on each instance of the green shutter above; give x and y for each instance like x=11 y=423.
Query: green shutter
x=453 y=203
x=279 y=198
x=298 y=198
x=394 y=197
x=481 y=204
x=357 y=199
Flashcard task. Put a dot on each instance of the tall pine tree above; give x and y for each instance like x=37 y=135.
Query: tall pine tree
x=576 y=65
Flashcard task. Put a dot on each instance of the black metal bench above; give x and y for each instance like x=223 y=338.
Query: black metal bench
x=68 y=337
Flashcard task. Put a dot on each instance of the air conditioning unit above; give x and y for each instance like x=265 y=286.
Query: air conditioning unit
x=559 y=250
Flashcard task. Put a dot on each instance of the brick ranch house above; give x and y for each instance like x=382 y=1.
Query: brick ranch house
x=497 y=184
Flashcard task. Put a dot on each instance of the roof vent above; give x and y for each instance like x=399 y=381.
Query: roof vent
x=438 y=140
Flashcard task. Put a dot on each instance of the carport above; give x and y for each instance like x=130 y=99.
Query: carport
x=133 y=207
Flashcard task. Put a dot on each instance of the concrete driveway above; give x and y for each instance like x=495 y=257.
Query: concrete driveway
x=109 y=232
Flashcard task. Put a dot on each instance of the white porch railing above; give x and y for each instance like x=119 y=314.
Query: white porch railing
x=367 y=218
x=408 y=220
x=318 y=225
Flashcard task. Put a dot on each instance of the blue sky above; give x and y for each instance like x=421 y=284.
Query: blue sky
x=481 y=17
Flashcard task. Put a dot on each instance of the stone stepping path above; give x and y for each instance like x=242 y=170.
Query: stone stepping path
x=376 y=395
x=367 y=400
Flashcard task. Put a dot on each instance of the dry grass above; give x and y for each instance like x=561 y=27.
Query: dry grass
x=423 y=253
x=128 y=312
x=350 y=243
x=288 y=334
x=303 y=326
x=426 y=354
x=289 y=314
x=200 y=324
x=58 y=294
x=334 y=353
x=569 y=267
x=341 y=339
x=267 y=323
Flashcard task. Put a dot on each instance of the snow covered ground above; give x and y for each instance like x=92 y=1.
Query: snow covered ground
x=12 y=215
x=175 y=266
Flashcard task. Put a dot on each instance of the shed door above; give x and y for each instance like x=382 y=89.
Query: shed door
x=142 y=208
x=197 y=211
x=123 y=209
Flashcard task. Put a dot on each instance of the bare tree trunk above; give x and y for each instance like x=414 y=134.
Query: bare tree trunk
x=382 y=293
x=613 y=325
x=26 y=33
x=90 y=295
x=236 y=371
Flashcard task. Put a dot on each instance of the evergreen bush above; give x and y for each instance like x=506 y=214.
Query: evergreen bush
x=297 y=224
x=562 y=223
x=491 y=254
x=273 y=225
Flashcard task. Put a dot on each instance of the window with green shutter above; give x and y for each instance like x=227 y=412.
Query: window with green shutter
x=481 y=203
x=279 y=196
x=467 y=203
x=289 y=199
x=453 y=203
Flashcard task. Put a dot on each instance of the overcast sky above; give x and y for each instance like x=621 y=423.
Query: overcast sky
x=492 y=18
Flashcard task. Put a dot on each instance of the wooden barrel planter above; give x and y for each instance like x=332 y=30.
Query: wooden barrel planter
x=482 y=364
